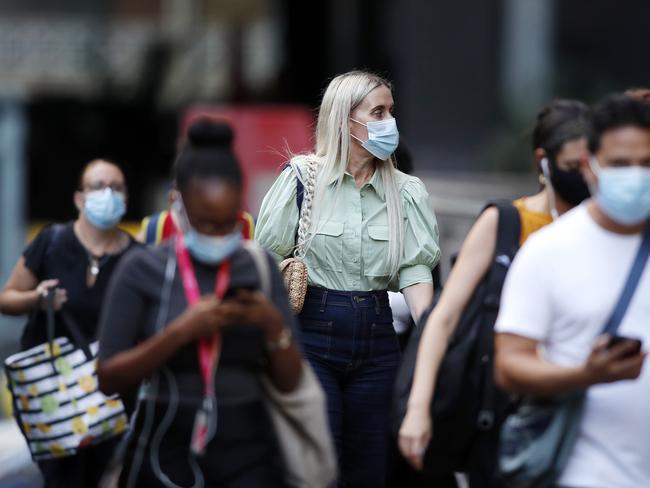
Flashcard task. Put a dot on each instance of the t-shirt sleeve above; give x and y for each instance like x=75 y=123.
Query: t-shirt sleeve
x=280 y=298
x=36 y=250
x=526 y=305
x=124 y=307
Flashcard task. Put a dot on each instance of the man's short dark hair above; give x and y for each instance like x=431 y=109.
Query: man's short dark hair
x=614 y=112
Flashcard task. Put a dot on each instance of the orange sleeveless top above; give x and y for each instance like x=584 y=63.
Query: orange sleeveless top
x=530 y=221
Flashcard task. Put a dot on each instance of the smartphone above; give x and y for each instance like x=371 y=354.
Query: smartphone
x=232 y=292
x=618 y=339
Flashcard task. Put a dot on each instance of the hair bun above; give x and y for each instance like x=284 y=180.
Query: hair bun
x=206 y=132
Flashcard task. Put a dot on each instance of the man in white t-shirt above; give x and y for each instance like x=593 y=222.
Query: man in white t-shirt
x=562 y=288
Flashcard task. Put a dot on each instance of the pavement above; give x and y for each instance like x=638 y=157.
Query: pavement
x=16 y=467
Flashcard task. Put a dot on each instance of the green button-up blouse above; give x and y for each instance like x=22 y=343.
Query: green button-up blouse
x=349 y=250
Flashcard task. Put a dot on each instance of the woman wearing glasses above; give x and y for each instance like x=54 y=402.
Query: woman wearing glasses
x=74 y=261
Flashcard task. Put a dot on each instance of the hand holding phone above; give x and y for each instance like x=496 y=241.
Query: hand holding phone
x=619 y=339
x=614 y=358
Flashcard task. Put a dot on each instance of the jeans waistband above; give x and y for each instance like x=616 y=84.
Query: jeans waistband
x=321 y=297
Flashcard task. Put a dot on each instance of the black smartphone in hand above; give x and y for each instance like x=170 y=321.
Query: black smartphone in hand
x=232 y=292
x=618 y=339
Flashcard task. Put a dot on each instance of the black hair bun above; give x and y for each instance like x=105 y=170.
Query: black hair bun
x=205 y=132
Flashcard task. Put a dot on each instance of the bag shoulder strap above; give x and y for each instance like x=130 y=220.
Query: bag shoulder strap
x=300 y=193
x=55 y=236
x=300 y=188
x=262 y=265
x=630 y=285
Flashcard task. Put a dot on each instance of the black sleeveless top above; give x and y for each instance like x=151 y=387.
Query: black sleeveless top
x=57 y=253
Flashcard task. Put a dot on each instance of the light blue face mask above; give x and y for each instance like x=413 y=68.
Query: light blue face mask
x=212 y=249
x=104 y=208
x=623 y=193
x=207 y=249
x=383 y=137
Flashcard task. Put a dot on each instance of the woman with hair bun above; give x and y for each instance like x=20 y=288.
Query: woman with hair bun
x=367 y=228
x=167 y=307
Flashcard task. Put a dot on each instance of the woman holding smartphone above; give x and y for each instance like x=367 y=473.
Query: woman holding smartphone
x=187 y=317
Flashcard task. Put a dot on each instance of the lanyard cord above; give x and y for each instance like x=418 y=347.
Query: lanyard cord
x=209 y=349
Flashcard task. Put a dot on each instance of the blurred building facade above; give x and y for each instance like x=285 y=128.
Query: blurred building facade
x=82 y=79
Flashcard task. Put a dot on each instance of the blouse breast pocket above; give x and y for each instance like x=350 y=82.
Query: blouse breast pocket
x=375 y=251
x=327 y=246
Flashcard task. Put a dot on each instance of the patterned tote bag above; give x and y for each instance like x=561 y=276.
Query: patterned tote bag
x=56 y=397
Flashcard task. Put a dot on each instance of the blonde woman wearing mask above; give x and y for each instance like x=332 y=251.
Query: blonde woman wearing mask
x=370 y=228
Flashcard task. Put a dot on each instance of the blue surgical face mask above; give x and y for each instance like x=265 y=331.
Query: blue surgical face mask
x=383 y=138
x=623 y=193
x=104 y=208
x=205 y=248
x=212 y=249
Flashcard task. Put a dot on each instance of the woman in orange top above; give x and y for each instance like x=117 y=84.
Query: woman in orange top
x=559 y=142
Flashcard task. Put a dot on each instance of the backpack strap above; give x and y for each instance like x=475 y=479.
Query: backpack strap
x=156 y=227
x=151 y=228
x=261 y=265
x=507 y=245
x=508 y=230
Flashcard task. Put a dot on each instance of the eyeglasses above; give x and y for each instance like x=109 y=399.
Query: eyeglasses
x=101 y=185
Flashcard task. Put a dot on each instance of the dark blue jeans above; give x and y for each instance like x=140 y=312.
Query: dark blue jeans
x=350 y=342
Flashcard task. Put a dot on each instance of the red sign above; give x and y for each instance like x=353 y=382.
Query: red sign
x=265 y=136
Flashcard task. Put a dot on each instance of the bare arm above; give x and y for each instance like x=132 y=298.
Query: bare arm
x=418 y=297
x=519 y=368
x=472 y=264
x=22 y=291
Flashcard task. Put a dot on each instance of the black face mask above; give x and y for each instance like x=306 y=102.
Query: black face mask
x=569 y=185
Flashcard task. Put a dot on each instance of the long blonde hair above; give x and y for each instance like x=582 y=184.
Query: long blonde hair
x=343 y=94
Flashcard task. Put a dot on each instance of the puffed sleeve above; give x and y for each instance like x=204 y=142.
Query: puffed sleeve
x=277 y=222
x=421 y=249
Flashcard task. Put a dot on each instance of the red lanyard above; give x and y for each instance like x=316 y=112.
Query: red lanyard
x=209 y=349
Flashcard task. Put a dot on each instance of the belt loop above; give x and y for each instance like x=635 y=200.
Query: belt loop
x=323 y=302
x=377 y=307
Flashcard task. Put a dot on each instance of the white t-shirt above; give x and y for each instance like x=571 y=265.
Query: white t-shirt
x=401 y=312
x=561 y=289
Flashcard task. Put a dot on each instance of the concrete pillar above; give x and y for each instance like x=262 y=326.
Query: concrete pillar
x=12 y=206
x=527 y=50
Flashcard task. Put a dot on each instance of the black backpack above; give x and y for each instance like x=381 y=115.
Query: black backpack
x=466 y=402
